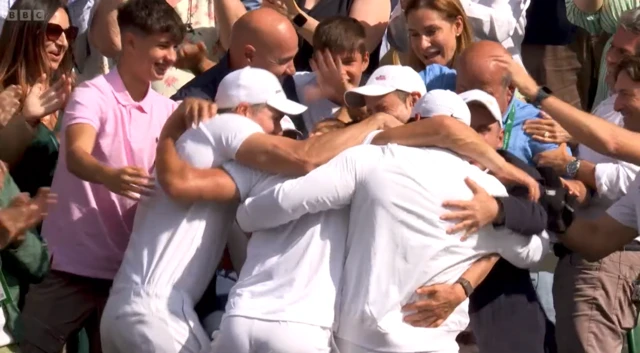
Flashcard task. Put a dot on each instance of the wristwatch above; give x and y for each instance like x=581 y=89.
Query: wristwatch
x=572 y=168
x=542 y=94
x=299 y=20
x=466 y=285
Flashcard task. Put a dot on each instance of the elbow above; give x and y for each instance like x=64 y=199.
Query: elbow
x=175 y=186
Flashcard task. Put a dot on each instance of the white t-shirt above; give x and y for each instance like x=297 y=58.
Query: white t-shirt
x=627 y=209
x=292 y=272
x=613 y=177
x=396 y=241
x=177 y=247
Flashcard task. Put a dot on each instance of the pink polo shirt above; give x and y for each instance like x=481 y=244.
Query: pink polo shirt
x=88 y=229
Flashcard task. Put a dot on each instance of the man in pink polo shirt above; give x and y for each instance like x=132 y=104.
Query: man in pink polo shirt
x=111 y=127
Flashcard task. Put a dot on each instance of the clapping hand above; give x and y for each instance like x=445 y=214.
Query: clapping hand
x=190 y=55
x=9 y=103
x=42 y=101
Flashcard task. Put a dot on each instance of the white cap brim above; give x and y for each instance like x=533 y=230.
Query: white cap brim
x=287 y=125
x=354 y=98
x=286 y=106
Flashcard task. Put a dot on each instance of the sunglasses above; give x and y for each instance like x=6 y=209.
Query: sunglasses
x=54 y=32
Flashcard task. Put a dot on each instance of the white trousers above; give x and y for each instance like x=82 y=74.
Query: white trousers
x=239 y=334
x=136 y=321
x=345 y=346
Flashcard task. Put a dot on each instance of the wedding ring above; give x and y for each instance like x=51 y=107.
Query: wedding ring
x=546 y=134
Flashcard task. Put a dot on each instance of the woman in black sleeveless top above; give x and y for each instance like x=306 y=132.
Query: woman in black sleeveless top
x=375 y=13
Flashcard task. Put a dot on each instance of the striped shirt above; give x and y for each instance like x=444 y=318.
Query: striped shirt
x=604 y=20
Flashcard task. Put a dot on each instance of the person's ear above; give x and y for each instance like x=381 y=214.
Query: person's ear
x=414 y=98
x=249 y=53
x=128 y=40
x=501 y=136
x=365 y=61
x=458 y=26
x=242 y=109
x=511 y=90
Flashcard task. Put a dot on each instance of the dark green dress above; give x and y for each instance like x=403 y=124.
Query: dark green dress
x=36 y=167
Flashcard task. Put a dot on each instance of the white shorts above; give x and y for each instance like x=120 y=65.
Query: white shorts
x=345 y=346
x=136 y=321
x=239 y=334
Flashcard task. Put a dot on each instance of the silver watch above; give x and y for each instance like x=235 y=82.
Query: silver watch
x=572 y=168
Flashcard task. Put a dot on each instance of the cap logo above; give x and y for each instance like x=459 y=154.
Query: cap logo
x=278 y=91
x=381 y=78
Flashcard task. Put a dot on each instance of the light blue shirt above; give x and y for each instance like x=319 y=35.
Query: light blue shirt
x=520 y=144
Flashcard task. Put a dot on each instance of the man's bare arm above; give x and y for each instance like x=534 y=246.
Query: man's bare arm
x=443 y=132
x=280 y=155
x=186 y=184
x=104 y=33
x=480 y=269
x=597 y=133
x=440 y=300
x=272 y=154
x=81 y=139
x=606 y=235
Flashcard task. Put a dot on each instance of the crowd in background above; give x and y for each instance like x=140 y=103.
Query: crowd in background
x=293 y=176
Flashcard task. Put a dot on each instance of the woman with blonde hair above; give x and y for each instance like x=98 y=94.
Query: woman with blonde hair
x=438 y=32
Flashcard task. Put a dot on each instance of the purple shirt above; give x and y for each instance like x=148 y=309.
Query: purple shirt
x=87 y=231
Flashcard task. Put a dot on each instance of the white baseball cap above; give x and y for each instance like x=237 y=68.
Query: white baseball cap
x=255 y=86
x=385 y=80
x=442 y=102
x=286 y=124
x=487 y=100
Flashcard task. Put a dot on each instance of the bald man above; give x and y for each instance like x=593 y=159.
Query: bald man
x=474 y=70
x=262 y=38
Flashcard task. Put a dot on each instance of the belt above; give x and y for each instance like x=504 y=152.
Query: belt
x=633 y=246
x=561 y=251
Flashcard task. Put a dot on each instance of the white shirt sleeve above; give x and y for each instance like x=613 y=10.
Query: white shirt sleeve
x=369 y=138
x=227 y=132
x=244 y=177
x=520 y=251
x=496 y=20
x=330 y=186
x=613 y=179
x=624 y=210
x=195 y=148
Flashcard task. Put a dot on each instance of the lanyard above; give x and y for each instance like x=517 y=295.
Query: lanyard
x=508 y=127
x=5 y=295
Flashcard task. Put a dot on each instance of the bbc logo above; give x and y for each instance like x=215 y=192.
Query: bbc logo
x=25 y=15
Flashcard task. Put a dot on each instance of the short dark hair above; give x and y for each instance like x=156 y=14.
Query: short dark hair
x=151 y=17
x=629 y=65
x=402 y=95
x=340 y=35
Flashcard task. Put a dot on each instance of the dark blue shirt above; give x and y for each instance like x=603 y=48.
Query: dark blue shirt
x=205 y=85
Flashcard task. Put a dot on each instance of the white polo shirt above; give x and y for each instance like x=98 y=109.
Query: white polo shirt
x=396 y=241
x=292 y=272
x=613 y=177
x=627 y=209
x=176 y=247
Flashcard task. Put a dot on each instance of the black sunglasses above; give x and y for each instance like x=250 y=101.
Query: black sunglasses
x=54 y=31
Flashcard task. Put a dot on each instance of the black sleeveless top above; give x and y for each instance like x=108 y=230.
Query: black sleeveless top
x=322 y=10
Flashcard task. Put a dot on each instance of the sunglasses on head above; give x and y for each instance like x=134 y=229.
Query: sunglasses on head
x=54 y=32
